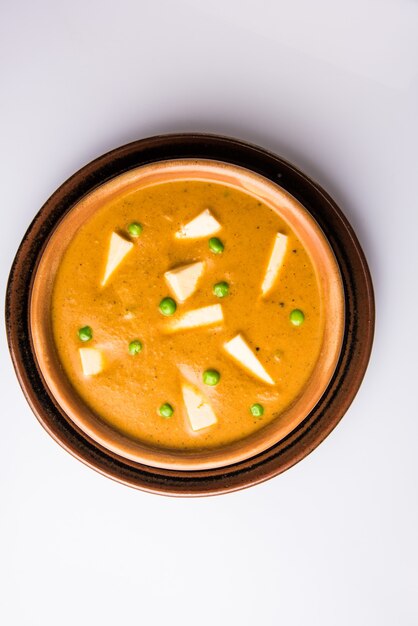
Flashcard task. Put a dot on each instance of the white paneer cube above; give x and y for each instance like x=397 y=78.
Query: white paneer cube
x=183 y=280
x=199 y=411
x=91 y=361
x=118 y=249
x=205 y=316
x=242 y=353
x=204 y=225
x=276 y=260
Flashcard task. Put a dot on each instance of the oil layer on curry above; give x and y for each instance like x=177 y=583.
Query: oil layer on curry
x=187 y=315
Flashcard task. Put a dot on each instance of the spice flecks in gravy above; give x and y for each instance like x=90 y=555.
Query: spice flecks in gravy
x=146 y=365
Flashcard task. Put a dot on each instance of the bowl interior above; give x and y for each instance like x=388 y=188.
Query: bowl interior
x=310 y=235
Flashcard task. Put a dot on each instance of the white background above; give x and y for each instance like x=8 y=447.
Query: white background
x=332 y=86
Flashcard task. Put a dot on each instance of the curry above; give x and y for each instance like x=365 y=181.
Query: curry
x=187 y=315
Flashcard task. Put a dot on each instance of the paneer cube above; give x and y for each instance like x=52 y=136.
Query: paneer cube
x=276 y=261
x=205 y=316
x=242 y=353
x=183 y=280
x=204 y=225
x=91 y=361
x=199 y=411
x=118 y=249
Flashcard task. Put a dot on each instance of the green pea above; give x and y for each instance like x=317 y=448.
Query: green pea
x=221 y=289
x=135 y=347
x=216 y=245
x=85 y=333
x=297 y=317
x=166 y=410
x=168 y=306
x=257 y=410
x=135 y=229
x=211 y=377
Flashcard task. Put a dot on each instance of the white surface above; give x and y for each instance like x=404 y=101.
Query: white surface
x=332 y=86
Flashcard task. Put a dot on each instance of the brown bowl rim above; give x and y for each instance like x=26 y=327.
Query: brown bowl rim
x=356 y=345
x=261 y=189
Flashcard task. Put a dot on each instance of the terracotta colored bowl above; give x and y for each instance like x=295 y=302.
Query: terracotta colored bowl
x=345 y=283
x=263 y=190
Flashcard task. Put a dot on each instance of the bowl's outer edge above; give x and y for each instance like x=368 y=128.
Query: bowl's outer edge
x=357 y=342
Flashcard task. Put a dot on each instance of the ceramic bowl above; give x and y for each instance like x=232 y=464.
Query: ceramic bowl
x=340 y=264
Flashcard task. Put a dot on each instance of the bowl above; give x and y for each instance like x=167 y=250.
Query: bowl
x=324 y=232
